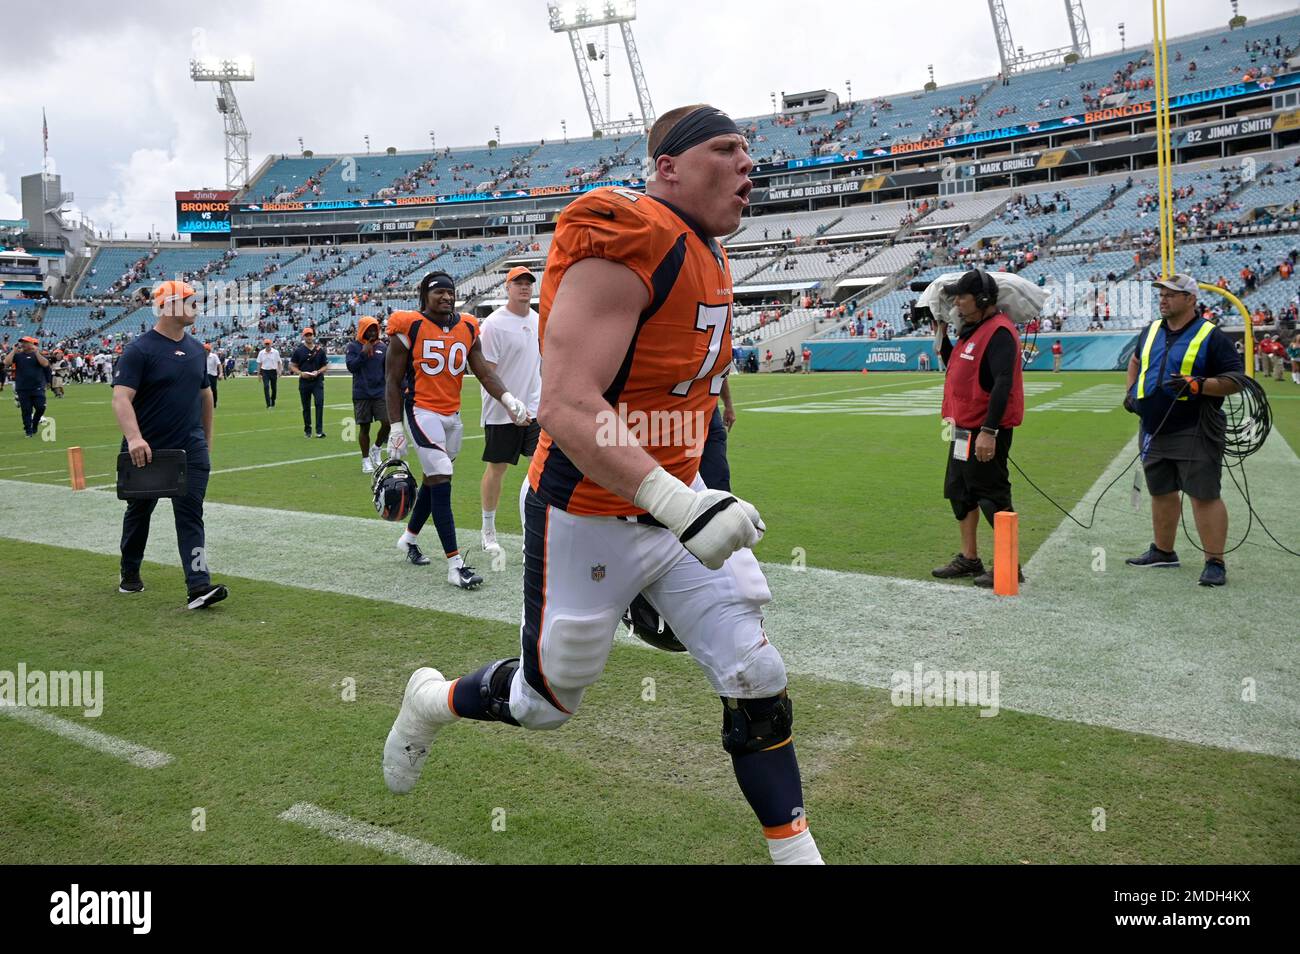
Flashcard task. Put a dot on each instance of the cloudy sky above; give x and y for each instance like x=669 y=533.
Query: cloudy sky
x=128 y=127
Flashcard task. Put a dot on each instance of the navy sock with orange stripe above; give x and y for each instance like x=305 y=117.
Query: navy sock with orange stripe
x=440 y=497
x=771 y=784
x=420 y=510
x=484 y=695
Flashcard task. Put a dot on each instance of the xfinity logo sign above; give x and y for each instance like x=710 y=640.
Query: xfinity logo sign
x=134 y=908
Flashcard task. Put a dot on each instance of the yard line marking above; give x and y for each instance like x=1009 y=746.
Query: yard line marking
x=353 y=832
x=274 y=463
x=136 y=755
x=812 y=394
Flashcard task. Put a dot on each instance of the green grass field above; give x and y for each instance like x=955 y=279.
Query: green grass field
x=249 y=698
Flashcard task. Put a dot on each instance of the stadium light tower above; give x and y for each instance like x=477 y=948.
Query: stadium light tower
x=572 y=18
x=1014 y=59
x=224 y=73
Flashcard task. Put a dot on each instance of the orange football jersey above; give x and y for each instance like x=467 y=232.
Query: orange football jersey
x=668 y=385
x=438 y=359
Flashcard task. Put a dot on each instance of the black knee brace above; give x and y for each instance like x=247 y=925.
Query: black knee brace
x=751 y=725
x=494 y=689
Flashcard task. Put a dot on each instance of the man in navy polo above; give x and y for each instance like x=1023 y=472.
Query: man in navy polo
x=309 y=362
x=162 y=400
x=29 y=367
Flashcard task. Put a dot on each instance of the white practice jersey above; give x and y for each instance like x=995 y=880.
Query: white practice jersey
x=510 y=342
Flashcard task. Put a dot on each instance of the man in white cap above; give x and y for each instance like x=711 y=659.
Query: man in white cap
x=1181 y=369
x=509 y=339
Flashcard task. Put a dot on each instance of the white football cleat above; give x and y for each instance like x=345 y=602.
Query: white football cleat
x=490 y=544
x=425 y=710
x=464 y=577
x=367 y=467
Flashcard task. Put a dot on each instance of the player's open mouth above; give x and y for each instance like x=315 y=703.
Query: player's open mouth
x=743 y=192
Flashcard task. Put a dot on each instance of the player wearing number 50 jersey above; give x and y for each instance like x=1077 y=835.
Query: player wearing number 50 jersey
x=431 y=348
x=636 y=342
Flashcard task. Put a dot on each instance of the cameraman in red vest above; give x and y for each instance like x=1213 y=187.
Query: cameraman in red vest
x=983 y=398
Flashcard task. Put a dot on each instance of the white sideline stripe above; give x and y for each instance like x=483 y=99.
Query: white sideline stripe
x=136 y=755
x=353 y=832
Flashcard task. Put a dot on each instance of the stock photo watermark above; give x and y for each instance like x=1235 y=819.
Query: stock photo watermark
x=57 y=689
x=938 y=688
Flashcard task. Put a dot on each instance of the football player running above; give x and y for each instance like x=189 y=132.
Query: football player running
x=432 y=348
x=636 y=320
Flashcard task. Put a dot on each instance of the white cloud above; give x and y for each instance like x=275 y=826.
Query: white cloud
x=10 y=206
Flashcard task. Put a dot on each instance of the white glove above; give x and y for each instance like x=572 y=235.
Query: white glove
x=516 y=408
x=396 y=442
x=712 y=524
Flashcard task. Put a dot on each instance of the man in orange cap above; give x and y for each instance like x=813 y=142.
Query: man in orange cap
x=29 y=367
x=162 y=400
x=310 y=363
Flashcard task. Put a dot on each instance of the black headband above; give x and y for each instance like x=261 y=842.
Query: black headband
x=694 y=128
x=439 y=280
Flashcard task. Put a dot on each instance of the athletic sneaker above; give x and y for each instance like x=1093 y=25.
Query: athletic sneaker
x=307 y=434
x=320 y=433
x=985 y=579
x=366 y=466
x=205 y=596
x=464 y=577
x=1214 y=574
x=131 y=582
x=424 y=711
x=959 y=566
x=413 y=553
x=1155 y=557
x=490 y=544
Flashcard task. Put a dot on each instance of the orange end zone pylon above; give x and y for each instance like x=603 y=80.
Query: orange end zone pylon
x=1006 y=553
x=76 y=468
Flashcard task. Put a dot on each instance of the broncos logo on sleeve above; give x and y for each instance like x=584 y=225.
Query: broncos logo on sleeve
x=668 y=383
x=438 y=357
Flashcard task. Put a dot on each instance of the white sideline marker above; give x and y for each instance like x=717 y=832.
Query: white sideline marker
x=349 y=830
x=136 y=755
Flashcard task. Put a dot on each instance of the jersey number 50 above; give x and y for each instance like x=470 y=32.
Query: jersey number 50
x=455 y=360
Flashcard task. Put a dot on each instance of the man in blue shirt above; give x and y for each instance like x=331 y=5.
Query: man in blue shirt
x=29 y=367
x=365 y=360
x=309 y=363
x=1181 y=369
x=162 y=400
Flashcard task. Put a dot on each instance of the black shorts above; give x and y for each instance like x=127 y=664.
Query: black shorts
x=366 y=410
x=503 y=443
x=1197 y=478
x=967 y=482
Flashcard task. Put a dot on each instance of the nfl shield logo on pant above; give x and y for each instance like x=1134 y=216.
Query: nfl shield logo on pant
x=597 y=572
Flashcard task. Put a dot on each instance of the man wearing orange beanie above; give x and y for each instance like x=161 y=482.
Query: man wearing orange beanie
x=365 y=361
